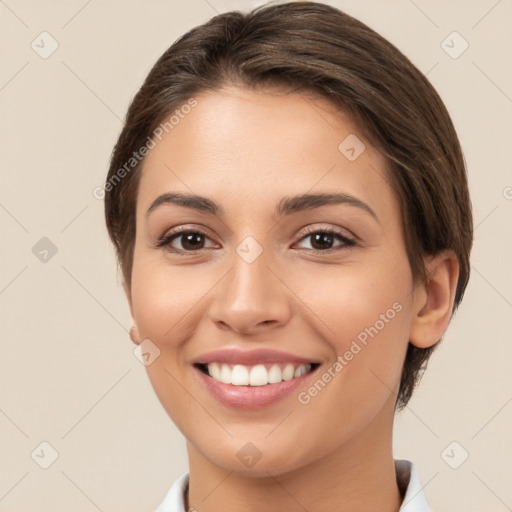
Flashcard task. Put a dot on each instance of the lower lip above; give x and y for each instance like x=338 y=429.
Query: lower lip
x=251 y=397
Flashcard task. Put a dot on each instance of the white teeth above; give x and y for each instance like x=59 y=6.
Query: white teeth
x=301 y=370
x=225 y=374
x=288 y=372
x=258 y=375
x=275 y=375
x=214 y=371
x=239 y=375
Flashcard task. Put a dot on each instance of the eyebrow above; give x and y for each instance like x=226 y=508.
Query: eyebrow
x=286 y=206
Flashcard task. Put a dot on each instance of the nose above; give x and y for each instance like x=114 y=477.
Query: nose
x=251 y=298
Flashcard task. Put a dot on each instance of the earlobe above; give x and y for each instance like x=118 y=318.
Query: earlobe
x=433 y=303
x=134 y=335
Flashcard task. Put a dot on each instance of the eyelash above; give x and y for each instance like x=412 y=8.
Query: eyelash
x=167 y=239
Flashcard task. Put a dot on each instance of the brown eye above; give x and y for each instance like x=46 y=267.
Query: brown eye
x=322 y=240
x=191 y=241
x=184 y=241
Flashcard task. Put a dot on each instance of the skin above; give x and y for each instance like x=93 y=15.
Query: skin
x=246 y=150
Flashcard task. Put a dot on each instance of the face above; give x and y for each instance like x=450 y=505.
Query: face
x=252 y=284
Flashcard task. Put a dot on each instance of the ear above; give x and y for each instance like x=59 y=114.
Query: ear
x=134 y=331
x=433 y=300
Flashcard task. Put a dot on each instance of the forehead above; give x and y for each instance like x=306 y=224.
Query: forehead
x=253 y=146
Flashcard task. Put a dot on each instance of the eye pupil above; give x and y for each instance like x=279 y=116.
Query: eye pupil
x=323 y=240
x=193 y=240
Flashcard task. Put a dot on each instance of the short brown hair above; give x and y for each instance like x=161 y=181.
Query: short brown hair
x=319 y=49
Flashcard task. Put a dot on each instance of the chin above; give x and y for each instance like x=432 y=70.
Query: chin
x=255 y=460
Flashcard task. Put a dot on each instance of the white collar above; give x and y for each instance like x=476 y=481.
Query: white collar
x=406 y=473
x=409 y=481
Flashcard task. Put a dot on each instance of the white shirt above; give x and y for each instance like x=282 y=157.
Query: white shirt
x=406 y=473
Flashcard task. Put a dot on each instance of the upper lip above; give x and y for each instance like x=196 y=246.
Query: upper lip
x=250 y=357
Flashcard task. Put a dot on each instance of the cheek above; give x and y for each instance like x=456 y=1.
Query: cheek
x=365 y=315
x=163 y=296
x=350 y=299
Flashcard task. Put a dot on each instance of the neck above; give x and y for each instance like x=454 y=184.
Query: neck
x=358 y=475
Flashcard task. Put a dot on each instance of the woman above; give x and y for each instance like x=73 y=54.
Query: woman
x=289 y=204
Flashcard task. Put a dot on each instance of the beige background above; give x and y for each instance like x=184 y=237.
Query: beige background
x=68 y=375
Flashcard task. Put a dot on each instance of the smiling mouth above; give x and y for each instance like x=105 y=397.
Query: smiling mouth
x=255 y=375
